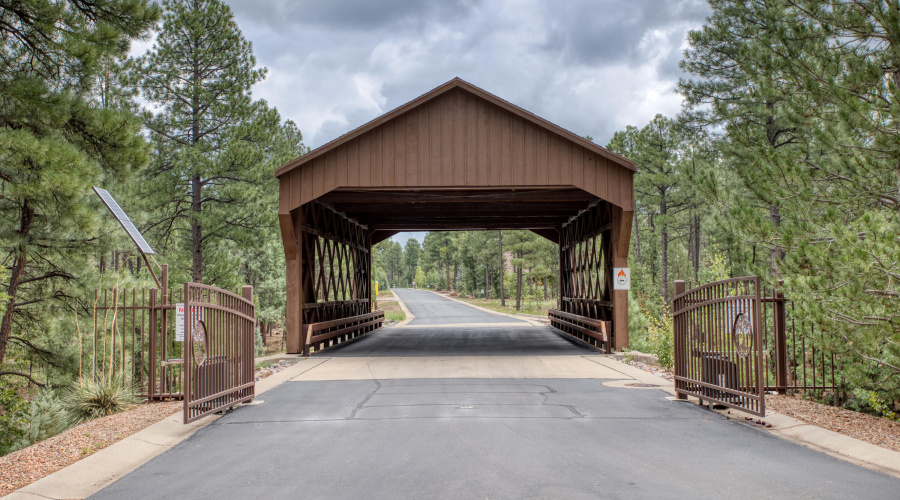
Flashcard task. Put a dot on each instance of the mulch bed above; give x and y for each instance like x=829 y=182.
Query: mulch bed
x=868 y=428
x=25 y=466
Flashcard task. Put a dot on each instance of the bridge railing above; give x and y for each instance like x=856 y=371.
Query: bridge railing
x=593 y=331
x=320 y=336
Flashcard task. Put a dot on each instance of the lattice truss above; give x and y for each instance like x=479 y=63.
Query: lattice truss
x=586 y=264
x=336 y=265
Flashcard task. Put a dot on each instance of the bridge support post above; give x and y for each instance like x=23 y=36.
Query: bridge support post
x=621 y=236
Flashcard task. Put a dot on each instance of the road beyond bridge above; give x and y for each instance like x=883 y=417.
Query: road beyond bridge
x=483 y=412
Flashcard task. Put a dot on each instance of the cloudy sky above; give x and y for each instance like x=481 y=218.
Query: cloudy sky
x=590 y=66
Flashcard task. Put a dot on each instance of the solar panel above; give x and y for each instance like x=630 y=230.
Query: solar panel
x=123 y=219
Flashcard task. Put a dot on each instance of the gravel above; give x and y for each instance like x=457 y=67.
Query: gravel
x=25 y=466
x=868 y=428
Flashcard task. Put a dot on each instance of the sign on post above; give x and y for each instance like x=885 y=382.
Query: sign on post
x=179 y=322
x=621 y=278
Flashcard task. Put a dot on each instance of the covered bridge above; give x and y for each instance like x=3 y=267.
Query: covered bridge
x=456 y=158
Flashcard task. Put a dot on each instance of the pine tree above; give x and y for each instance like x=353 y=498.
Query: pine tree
x=56 y=141
x=211 y=176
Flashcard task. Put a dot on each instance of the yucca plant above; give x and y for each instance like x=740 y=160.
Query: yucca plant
x=89 y=399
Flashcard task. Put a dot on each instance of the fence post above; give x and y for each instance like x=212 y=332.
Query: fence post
x=679 y=339
x=151 y=348
x=781 y=365
x=248 y=358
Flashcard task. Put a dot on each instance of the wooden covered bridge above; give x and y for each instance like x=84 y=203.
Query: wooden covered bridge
x=456 y=158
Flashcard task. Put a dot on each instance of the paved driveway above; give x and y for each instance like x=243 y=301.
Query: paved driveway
x=504 y=412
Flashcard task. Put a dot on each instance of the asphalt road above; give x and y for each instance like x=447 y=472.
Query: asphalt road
x=432 y=309
x=485 y=438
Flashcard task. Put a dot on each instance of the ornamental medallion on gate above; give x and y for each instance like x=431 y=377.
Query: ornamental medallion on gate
x=742 y=335
x=198 y=334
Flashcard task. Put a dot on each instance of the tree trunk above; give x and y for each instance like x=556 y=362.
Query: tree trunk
x=664 y=250
x=449 y=283
x=18 y=268
x=637 y=238
x=519 y=286
x=695 y=246
x=502 y=268
x=456 y=275
x=544 y=281
x=196 y=231
x=776 y=255
x=196 y=186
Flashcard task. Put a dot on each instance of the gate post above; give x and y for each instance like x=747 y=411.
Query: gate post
x=780 y=344
x=680 y=357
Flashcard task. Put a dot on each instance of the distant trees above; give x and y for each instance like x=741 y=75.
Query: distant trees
x=470 y=262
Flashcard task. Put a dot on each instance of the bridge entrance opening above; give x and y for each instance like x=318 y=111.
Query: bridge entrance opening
x=456 y=158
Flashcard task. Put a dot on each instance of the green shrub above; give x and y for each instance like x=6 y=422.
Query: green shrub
x=47 y=417
x=869 y=401
x=89 y=399
x=661 y=338
x=13 y=419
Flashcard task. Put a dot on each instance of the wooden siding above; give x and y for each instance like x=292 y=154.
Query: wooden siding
x=458 y=140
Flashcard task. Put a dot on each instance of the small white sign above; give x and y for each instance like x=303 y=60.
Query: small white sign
x=621 y=278
x=179 y=322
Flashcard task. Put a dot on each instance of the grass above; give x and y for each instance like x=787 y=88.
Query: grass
x=529 y=306
x=392 y=311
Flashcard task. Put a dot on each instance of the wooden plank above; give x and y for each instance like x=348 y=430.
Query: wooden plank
x=330 y=171
x=483 y=165
x=541 y=160
x=613 y=187
x=285 y=202
x=412 y=149
x=377 y=157
x=353 y=163
x=365 y=160
x=400 y=138
x=318 y=181
x=565 y=162
x=434 y=176
x=343 y=168
x=506 y=158
x=471 y=118
x=459 y=139
x=530 y=148
x=553 y=159
x=578 y=166
x=495 y=160
x=446 y=142
x=590 y=172
x=601 y=180
x=387 y=153
x=518 y=151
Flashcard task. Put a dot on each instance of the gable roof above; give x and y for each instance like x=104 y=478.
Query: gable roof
x=456 y=83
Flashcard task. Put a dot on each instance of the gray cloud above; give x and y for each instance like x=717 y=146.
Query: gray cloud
x=592 y=67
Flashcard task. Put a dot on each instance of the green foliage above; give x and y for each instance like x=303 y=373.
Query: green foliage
x=869 y=400
x=209 y=193
x=89 y=399
x=805 y=95
x=394 y=315
x=57 y=139
x=47 y=417
x=13 y=419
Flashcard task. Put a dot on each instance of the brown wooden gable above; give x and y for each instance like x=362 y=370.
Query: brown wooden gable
x=457 y=137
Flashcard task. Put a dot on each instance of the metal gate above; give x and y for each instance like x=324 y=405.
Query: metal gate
x=719 y=345
x=219 y=349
